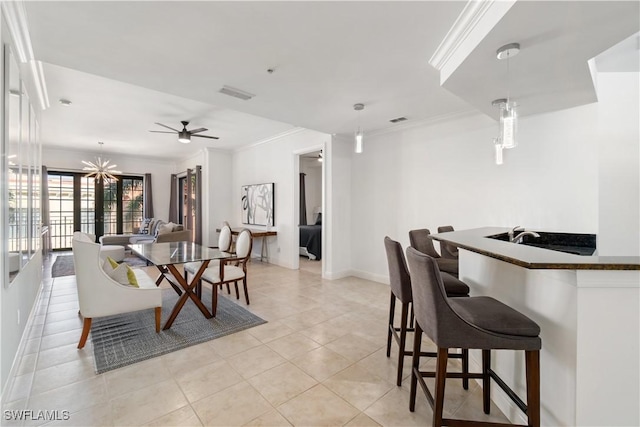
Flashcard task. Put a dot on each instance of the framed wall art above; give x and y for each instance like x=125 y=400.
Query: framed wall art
x=257 y=204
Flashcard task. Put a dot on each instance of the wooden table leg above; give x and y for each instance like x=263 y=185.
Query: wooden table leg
x=163 y=275
x=189 y=293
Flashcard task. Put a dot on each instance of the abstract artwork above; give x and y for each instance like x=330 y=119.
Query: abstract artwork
x=257 y=204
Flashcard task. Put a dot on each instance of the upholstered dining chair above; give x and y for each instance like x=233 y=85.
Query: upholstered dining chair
x=421 y=242
x=447 y=249
x=224 y=244
x=400 y=281
x=231 y=270
x=99 y=295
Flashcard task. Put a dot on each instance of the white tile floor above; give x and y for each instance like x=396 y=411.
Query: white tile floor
x=320 y=360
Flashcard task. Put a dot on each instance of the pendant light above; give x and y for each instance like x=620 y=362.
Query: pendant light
x=507 y=136
x=100 y=169
x=359 y=134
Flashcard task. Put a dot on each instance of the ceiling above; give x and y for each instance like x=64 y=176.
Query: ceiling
x=125 y=65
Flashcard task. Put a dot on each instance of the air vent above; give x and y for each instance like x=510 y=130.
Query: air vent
x=398 y=119
x=236 y=93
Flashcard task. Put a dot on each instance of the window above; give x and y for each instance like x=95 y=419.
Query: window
x=77 y=203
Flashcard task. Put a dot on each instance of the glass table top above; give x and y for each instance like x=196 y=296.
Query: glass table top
x=176 y=252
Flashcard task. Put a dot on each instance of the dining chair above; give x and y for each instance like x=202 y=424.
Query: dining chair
x=224 y=244
x=421 y=241
x=231 y=270
x=99 y=295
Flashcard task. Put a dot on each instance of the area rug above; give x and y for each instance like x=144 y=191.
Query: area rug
x=63 y=265
x=129 y=338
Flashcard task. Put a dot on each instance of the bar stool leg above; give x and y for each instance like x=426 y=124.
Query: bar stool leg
x=532 y=361
x=441 y=377
x=486 y=381
x=392 y=308
x=415 y=364
x=403 y=341
x=465 y=368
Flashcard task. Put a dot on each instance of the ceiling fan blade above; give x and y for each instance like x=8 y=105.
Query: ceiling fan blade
x=168 y=127
x=198 y=130
x=206 y=136
x=160 y=131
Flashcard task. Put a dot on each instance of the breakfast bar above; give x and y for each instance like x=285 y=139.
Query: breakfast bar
x=588 y=309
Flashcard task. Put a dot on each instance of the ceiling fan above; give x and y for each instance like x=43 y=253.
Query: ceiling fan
x=185 y=135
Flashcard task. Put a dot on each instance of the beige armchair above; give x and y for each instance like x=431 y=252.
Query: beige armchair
x=99 y=295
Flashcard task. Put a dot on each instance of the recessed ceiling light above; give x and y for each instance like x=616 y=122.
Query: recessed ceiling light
x=64 y=102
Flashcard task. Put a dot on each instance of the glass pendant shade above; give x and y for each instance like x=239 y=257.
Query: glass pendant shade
x=498 y=151
x=359 y=138
x=508 y=125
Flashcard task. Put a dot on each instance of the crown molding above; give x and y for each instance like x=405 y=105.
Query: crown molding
x=473 y=23
x=16 y=17
x=429 y=121
x=291 y=131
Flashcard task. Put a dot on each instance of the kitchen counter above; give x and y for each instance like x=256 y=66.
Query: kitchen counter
x=588 y=309
x=477 y=240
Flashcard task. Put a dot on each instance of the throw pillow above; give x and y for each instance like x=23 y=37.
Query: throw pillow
x=165 y=228
x=154 y=227
x=121 y=273
x=145 y=226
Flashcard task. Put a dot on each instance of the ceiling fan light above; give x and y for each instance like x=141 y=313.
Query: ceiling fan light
x=184 y=137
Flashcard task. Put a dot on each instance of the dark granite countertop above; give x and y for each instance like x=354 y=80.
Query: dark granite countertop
x=476 y=240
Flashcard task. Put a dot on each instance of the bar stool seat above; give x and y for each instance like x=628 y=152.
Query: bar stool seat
x=470 y=323
x=492 y=315
x=400 y=282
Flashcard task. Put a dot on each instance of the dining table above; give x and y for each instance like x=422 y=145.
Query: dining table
x=166 y=256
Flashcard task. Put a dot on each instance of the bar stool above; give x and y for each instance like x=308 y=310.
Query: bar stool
x=401 y=289
x=447 y=249
x=421 y=241
x=476 y=322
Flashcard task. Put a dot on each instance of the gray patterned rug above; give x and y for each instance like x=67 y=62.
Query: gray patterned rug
x=63 y=265
x=129 y=338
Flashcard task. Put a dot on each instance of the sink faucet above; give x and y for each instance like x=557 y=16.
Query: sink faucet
x=512 y=232
x=519 y=237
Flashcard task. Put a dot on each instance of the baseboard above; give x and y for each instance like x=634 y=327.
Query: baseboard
x=370 y=276
x=331 y=275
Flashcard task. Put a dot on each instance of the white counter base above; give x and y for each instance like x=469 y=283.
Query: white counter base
x=590 y=330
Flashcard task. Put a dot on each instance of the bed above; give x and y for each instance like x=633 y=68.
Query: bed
x=311 y=240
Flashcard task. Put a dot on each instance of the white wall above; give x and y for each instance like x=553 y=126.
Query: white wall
x=619 y=163
x=444 y=173
x=275 y=161
x=160 y=171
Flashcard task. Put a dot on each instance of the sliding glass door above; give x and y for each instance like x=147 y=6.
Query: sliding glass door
x=82 y=204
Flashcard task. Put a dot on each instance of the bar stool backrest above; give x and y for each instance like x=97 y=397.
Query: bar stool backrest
x=421 y=241
x=432 y=311
x=399 y=277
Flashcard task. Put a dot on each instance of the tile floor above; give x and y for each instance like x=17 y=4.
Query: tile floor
x=319 y=361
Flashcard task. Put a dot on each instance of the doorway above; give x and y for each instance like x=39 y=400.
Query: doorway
x=311 y=228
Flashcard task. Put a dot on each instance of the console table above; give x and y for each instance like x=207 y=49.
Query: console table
x=256 y=232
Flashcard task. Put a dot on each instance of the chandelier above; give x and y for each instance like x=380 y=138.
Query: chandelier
x=100 y=169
